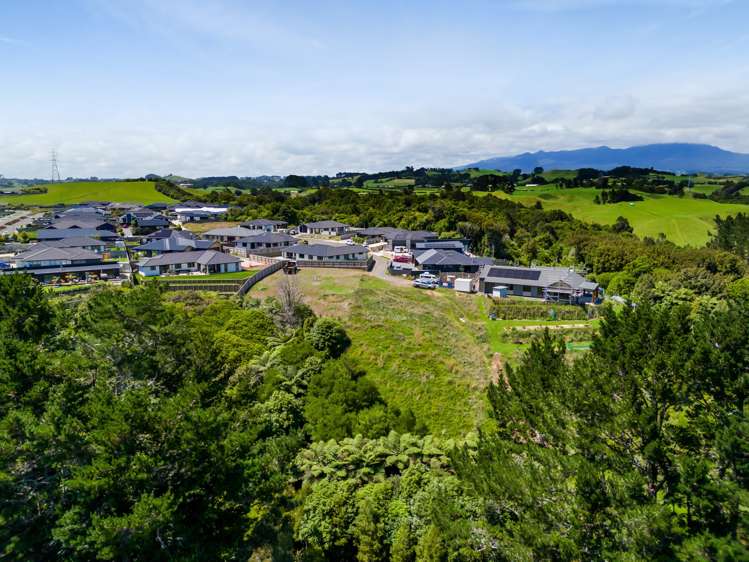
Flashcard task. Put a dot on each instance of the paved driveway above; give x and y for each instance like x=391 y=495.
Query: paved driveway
x=380 y=270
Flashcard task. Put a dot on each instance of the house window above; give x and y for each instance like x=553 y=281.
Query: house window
x=526 y=289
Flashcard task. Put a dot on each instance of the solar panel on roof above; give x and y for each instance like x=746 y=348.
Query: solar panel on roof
x=530 y=274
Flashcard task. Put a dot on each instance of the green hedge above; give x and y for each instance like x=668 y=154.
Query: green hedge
x=531 y=310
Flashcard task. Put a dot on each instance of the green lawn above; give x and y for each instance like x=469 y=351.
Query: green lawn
x=684 y=220
x=142 y=192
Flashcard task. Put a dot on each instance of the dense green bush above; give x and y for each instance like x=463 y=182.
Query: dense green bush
x=328 y=336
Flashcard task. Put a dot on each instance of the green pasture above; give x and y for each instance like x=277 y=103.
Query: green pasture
x=686 y=221
x=140 y=192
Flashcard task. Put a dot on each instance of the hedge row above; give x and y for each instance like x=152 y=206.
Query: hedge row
x=517 y=310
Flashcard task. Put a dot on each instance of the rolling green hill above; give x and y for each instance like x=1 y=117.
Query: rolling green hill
x=684 y=220
x=142 y=192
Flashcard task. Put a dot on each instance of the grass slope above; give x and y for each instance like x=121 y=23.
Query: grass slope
x=684 y=220
x=425 y=350
x=142 y=192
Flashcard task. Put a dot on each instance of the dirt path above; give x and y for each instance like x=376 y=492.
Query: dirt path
x=498 y=371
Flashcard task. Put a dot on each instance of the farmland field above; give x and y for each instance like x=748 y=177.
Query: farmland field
x=684 y=220
x=142 y=192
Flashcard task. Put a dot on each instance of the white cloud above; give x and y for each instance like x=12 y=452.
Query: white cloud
x=12 y=41
x=254 y=149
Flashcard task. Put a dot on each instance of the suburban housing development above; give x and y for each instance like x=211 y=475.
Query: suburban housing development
x=99 y=241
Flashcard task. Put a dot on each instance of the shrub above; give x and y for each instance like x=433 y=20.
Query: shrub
x=329 y=336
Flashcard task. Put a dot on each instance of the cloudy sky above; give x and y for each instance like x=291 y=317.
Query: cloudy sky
x=217 y=87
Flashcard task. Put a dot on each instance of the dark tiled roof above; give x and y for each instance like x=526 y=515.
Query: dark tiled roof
x=264 y=222
x=204 y=257
x=325 y=250
x=448 y=258
x=74 y=242
x=390 y=233
x=42 y=252
x=174 y=244
x=59 y=234
x=325 y=224
x=268 y=238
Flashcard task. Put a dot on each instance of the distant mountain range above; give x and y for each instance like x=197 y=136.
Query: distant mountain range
x=672 y=157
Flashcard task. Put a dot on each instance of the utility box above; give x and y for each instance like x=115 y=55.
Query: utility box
x=500 y=292
x=464 y=285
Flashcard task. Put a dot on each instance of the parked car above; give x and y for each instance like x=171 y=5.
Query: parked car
x=424 y=284
x=426 y=281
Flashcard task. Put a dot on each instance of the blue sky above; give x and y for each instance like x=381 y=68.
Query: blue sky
x=124 y=88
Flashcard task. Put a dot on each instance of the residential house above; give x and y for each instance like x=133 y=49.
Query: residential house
x=264 y=225
x=265 y=243
x=168 y=233
x=326 y=253
x=325 y=228
x=82 y=211
x=231 y=234
x=174 y=243
x=197 y=212
x=62 y=233
x=448 y=244
x=448 y=261
x=558 y=284
x=396 y=237
x=82 y=242
x=47 y=263
x=82 y=223
x=199 y=261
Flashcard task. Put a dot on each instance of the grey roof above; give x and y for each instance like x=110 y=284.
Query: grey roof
x=535 y=276
x=59 y=234
x=74 y=242
x=83 y=222
x=238 y=231
x=449 y=257
x=156 y=220
x=174 y=244
x=167 y=233
x=268 y=238
x=203 y=257
x=42 y=252
x=441 y=245
x=325 y=224
x=390 y=233
x=325 y=250
x=64 y=269
x=88 y=211
x=264 y=222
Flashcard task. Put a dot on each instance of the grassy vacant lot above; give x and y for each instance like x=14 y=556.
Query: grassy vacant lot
x=425 y=350
x=142 y=192
x=430 y=351
x=201 y=227
x=684 y=220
